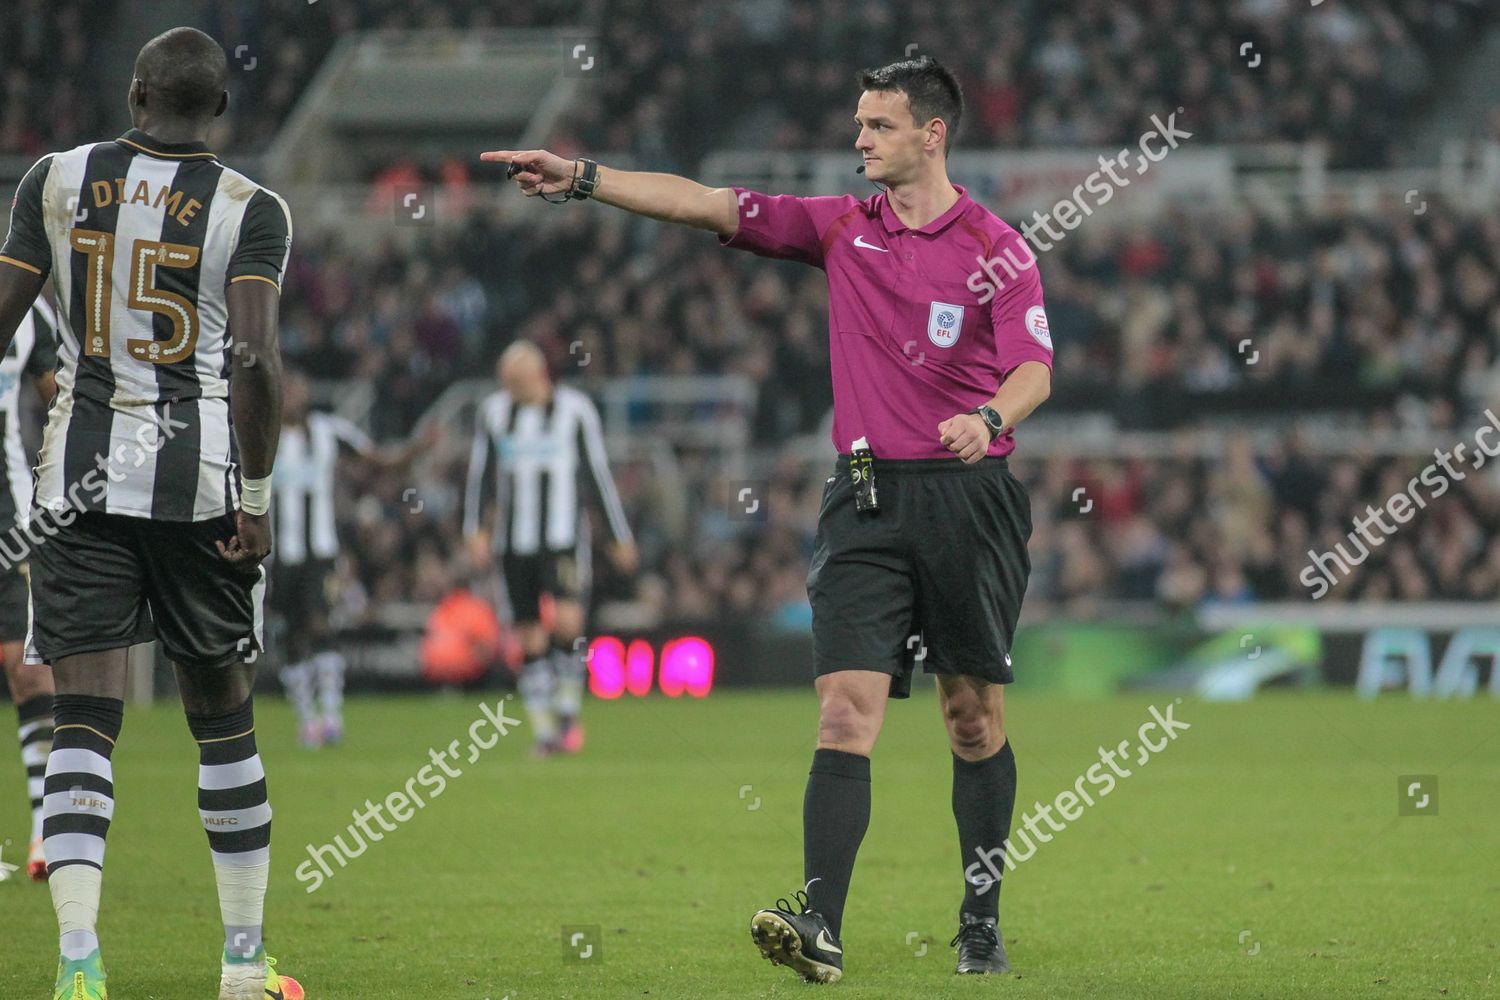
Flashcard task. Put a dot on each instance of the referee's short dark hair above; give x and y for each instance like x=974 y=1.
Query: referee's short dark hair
x=930 y=87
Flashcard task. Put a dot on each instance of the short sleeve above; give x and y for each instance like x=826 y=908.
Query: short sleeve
x=26 y=245
x=1020 y=322
x=265 y=241
x=785 y=226
x=43 y=356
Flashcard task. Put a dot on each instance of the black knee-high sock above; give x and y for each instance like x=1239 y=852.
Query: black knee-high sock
x=984 y=799
x=835 y=816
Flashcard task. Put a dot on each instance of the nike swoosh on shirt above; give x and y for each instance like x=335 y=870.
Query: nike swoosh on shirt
x=859 y=241
x=825 y=944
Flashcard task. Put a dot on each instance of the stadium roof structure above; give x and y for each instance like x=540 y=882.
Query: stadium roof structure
x=387 y=95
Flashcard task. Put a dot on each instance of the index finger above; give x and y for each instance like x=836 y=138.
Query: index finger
x=509 y=155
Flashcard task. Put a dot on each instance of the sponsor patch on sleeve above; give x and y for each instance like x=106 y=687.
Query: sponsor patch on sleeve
x=1036 y=325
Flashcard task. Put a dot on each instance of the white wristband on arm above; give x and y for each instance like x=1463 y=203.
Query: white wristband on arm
x=255 y=495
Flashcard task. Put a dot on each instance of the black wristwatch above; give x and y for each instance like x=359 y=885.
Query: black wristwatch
x=585 y=179
x=991 y=419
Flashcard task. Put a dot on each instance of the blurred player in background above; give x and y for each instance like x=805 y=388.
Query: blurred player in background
x=154 y=479
x=33 y=352
x=304 y=570
x=534 y=445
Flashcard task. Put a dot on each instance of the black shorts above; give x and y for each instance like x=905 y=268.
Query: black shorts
x=15 y=604
x=301 y=595
x=558 y=572
x=104 y=581
x=936 y=576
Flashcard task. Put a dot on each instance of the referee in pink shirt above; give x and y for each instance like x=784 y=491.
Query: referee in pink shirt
x=923 y=530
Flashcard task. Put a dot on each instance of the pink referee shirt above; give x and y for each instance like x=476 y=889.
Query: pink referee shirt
x=918 y=329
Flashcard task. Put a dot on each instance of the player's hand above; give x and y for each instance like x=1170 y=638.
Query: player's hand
x=251 y=541
x=966 y=435
x=625 y=556
x=541 y=172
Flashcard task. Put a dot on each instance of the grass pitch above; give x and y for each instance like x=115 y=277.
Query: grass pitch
x=1260 y=855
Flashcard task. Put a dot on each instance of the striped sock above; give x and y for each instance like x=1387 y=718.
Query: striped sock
x=36 y=742
x=297 y=680
x=237 y=815
x=77 y=806
x=537 y=684
x=330 y=667
x=567 y=664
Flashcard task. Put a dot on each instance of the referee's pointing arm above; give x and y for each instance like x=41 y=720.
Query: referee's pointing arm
x=659 y=196
x=677 y=199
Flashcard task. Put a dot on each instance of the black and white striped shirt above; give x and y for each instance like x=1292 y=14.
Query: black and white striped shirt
x=32 y=352
x=305 y=463
x=535 y=458
x=141 y=239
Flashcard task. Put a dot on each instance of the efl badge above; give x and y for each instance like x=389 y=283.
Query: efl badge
x=1036 y=325
x=944 y=322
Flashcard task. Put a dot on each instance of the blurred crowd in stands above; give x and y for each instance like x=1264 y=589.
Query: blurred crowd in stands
x=1233 y=315
x=1175 y=534
x=1238 y=527
x=779 y=73
x=1157 y=323
x=1390 y=317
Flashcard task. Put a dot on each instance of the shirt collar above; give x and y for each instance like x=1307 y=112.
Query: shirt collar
x=142 y=143
x=893 y=223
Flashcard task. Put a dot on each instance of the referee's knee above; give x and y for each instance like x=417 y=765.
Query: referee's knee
x=842 y=726
x=974 y=732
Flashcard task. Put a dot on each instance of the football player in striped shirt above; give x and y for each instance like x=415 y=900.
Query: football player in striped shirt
x=154 y=478
x=304 y=570
x=536 y=446
x=33 y=353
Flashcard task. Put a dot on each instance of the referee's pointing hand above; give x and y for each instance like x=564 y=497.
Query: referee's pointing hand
x=540 y=172
x=966 y=435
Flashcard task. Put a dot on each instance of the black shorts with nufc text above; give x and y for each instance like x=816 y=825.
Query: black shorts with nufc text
x=15 y=610
x=104 y=581
x=528 y=576
x=935 y=576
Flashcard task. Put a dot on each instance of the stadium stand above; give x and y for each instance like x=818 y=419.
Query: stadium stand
x=1036 y=73
x=1364 y=318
